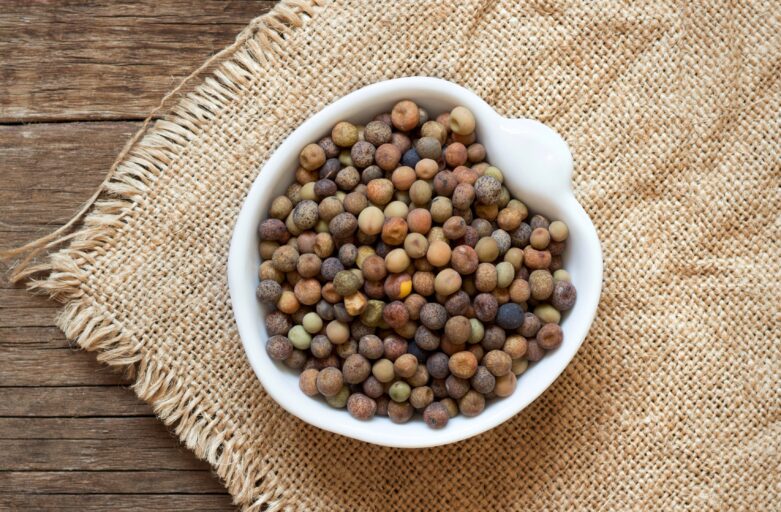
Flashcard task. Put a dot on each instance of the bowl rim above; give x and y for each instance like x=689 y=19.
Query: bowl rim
x=246 y=225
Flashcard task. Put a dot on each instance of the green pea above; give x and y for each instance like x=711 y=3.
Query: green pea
x=505 y=273
x=399 y=391
x=548 y=314
x=345 y=159
x=495 y=173
x=477 y=332
x=312 y=323
x=339 y=400
x=561 y=275
x=321 y=226
x=299 y=337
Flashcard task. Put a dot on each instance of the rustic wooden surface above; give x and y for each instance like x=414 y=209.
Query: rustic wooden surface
x=76 y=79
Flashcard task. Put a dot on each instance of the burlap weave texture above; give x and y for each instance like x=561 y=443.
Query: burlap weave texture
x=672 y=111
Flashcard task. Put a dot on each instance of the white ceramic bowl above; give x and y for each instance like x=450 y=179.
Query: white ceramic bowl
x=537 y=166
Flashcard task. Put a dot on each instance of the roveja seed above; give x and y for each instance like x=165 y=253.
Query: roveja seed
x=404 y=276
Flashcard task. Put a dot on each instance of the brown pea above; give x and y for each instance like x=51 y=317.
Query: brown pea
x=405 y=115
x=485 y=277
x=419 y=220
x=505 y=385
x=498 y=362
x=454 y=228
x=458 y=329
x=394 y=231
x=463 y=364
x=403 y=177
x=395 y=314
x=456 y=154
x=536 y=260
x=550 y=336
x=405 y=365
x=387 y=157
x=471 y=404
x=423 y=283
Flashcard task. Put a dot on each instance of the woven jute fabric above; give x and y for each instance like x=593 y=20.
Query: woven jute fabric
x=671 y=110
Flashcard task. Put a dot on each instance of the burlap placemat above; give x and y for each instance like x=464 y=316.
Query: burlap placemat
x=672 y=113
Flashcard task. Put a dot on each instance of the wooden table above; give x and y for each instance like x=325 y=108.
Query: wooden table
x=76 y=80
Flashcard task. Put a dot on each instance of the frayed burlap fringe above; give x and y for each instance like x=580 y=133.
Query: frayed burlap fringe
x=671 y=110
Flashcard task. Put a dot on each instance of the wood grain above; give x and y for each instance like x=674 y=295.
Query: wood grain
x=70 y=401
x=111 y=482
x=72 y=434
x=116 y=502
x=76 y=60
x=95 y=455
x=56 y=367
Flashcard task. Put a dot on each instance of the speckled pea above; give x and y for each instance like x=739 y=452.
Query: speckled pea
x=487 y=190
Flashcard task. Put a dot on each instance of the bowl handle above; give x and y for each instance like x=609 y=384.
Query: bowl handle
x=545 y=167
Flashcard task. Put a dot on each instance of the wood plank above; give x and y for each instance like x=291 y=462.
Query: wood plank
x=116 y=502
x=34 y=337
x=95 y=455
x=28 y=317
x=126 y=427
x=110 y=482
x=20 y=297
x=54 y=367
x=71 y=59
x=75 y=401
x=49 y=170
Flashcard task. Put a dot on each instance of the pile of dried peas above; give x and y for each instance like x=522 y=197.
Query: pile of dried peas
x=404 y=275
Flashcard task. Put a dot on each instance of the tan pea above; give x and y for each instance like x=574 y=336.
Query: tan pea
x=371 y=220
x=311 y=157
x=540 y=238
x=344 y=134
x=403 y=177
x=558 y=231
x=426 y=169
x=416 y=245
x=441 y=209
x=462 y=121
x=519 y=291
x=396 y=209
x=288 y=303
x=505 y=385
x=487 y=249
x=561 y=275
x=438 y=253
x=364 y=252
x=447 y=282
x=308 y=192
x=383 y=370
x=337 y=332
x=495 y=173
x=397 y=261
x=420 y=193
x=514 y=256
x=520 y=366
